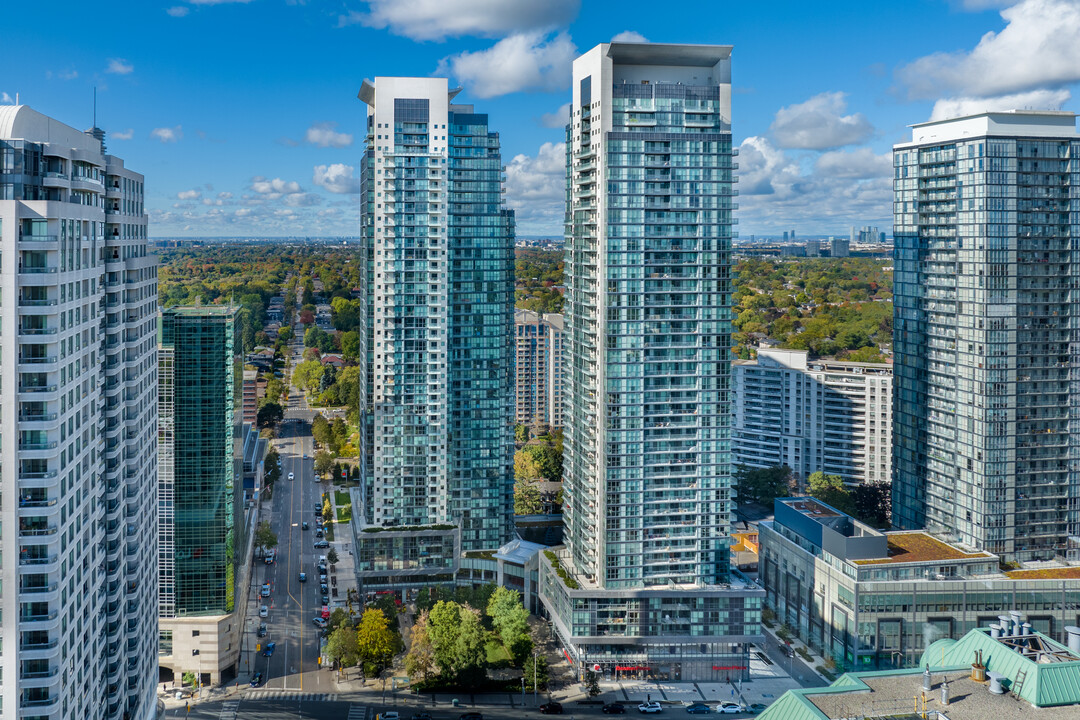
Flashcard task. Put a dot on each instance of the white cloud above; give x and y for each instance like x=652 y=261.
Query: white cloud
x=302 y=199
x=535 y=188
x=324 y=135
x=178 y=11
x=839 y=190
x=6 y=99
x=1037 y=48
x=440 y=19
x=276 y=187
x=122 y=134
x=1034 y=100
x=557 y=119
x=337 y=178
x=858 y=163
x=629 y=36
x=529 y=61
x=118 y=66
x=168 y=135
x=188 y=195
x=819 y=124
x=67 y=74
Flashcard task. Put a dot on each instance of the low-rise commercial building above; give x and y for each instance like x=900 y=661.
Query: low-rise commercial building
x=813 y=415
x=876 y=600
x=988 y=673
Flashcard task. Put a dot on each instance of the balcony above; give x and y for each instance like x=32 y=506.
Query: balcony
x=48 y=445
x=38 y=238
x=38 y=531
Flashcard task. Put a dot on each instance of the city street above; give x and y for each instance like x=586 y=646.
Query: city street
x=292 y=604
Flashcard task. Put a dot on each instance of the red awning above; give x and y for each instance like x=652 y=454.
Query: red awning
x=631 y=667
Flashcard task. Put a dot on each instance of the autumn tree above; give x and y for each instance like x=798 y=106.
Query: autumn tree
x=375 y=640
x=420 y=661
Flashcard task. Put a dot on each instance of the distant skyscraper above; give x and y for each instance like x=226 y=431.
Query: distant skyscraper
x=839 y=247
x=641 y=586
x=78 y=412
x=814 y=415
x=785 y=236
x=985 y=226
x=538 y=368
x=439 y=393
x=200 y=490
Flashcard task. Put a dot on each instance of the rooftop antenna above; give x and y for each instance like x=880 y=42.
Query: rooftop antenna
x=95 y=106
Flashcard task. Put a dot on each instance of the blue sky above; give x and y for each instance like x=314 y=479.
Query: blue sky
x=243 y=114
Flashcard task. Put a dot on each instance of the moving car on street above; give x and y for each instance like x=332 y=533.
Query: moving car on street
x=268 y=651
x=256 y=680
x=614 y=709
x=303 y=577
x=318 y=622
x=551 y=708
x=264 y=611
x=262 y=630
x=730 y=708
x=265 y=592
x=698 y=708
x=650 y=707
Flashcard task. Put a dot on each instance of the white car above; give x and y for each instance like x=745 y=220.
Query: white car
x=650 y=707
x=730 y=708
x=318 y=622
x=292 y=476
x=264 y=611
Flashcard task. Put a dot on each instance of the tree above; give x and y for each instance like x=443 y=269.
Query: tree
x=272 y=466
x=536 y=668
x=525 y=466
x=511 y=621
x=269 y=415
x=338 y=618
x=375 y=639
x=830 y=489
x=350 y=345
x=470 y=661
x=873 y=503
x=320 y=430
x=324 y=461
x=343 y=646
x=762 y=485
x=455 y=633
x=285 y=334
x=332 y=557
x=521 y=434
x=526 y=497
x=265 y=537
x=307 y=374
x=420 y=661
x=592 y=684
x=327 y=511
x=274 y=390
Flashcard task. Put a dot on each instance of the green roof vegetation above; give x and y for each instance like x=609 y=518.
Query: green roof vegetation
x=409 y=528
x=565 y=576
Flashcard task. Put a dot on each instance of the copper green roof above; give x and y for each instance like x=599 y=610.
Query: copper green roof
x=1053 y=682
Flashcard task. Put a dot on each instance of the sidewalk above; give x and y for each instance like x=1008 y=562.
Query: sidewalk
x=796 y=645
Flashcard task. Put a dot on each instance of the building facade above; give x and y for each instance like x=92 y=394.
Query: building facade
x=648 y=322
x=200 y=490
x=438 y=396
x=818 y=415
x=839 y=247
x=78 y=413
x=876 y=600
x=985 y=440
x=538 y=370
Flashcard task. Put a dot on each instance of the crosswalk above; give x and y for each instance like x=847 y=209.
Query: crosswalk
x=357 y=712
x=228 y=710
x=294 y=696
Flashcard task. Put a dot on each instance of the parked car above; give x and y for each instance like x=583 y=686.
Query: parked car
x=730 y=708
x=262 y=630
x=318 y=508
x=269 y=559
x=698 y=708
x=322 y=544
x=614 y=709
x=325 y=599
x=756 y=707
x=388 y=715
x=268 y=651
x=650 y=707
x=551 y=708
x=318 y=622
x=303 y=577
x=471 y=716
x=318 y=532
x=421 y=716
x=264 y=611
x=265 y=592
x=256 y=679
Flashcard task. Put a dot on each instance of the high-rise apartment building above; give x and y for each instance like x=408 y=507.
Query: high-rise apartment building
x=818 y=415
x=839 y=247
x=78 y=420
x=985 y=225
x=200 y=490
x=643 y=584
x=538 y=368
x=438 y=396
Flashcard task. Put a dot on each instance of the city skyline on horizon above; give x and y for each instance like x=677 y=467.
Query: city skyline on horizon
x=815 y=129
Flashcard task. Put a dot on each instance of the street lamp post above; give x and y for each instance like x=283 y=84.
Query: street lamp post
x=534 y=678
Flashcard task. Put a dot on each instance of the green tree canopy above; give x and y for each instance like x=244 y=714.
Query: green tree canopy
x=343 y=645
x=762 y=485
x=265 y=537
x=375 y=639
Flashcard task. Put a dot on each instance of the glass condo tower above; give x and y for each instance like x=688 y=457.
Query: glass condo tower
x=643 y=587
x=986 y=221
x=438 y=399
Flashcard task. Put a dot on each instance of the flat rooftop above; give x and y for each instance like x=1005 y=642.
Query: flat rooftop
x=810 y=507
x=1057 y=573
x=893 y=696
x=908 y=547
